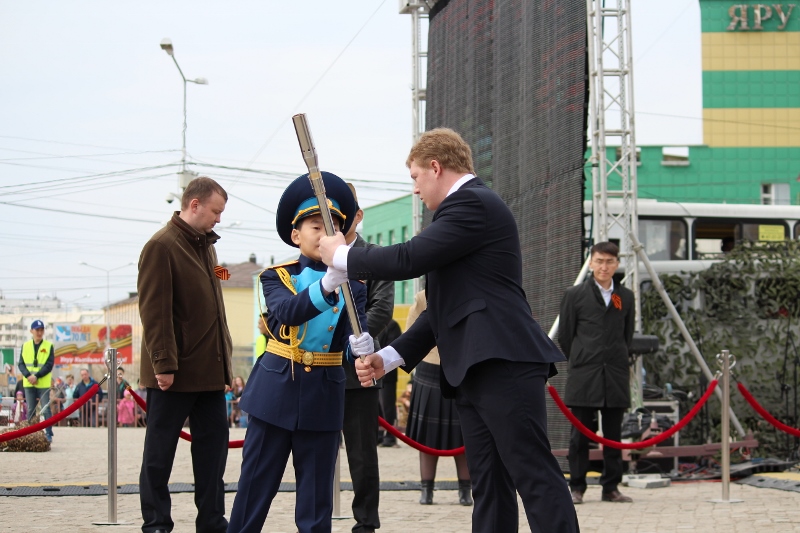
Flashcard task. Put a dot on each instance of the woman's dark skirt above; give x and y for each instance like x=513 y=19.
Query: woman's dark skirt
x=432 y=419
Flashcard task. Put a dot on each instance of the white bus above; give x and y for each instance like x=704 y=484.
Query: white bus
x=687 y=237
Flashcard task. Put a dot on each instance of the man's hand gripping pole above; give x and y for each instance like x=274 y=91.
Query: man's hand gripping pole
x=317 y=185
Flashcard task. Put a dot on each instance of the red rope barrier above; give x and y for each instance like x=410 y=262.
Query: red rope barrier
x=188 y=437
x=185 y=436
x=416 y=445
x=53 y=419
x=632 y=445
x=391 y=429
x=764 y=413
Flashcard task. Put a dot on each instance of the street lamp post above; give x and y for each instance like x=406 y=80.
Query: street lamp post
x=108 y=272
x=185 y=176
x=68 y=302
x=111 y=409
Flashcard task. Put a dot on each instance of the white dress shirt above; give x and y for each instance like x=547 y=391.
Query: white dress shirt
x=606 y=292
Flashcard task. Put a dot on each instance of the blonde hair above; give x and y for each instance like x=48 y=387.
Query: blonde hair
x=445 y=146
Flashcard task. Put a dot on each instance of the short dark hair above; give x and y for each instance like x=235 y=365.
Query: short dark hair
x=605 y=248
x=201 y=188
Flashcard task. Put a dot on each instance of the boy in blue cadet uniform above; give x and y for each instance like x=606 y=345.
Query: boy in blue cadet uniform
x=295 y=394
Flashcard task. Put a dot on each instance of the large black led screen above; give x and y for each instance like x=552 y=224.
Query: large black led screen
x=511 y=77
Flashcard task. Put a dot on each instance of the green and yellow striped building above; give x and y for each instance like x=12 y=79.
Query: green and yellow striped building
x=751 y=112
x=751 y=75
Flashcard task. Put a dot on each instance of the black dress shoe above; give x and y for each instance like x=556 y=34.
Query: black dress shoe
x=577 y=497
x=616 y=497
x=160 y=531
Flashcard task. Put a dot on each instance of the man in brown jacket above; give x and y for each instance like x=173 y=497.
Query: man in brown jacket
x=186 y=358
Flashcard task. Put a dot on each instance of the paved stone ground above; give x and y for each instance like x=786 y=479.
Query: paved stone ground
x=79 y=456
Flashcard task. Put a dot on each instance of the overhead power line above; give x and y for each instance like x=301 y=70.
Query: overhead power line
x=248 y=202
x=242 y=169
x=76 y=189
x=314 y=85
x=95 y=215
x=44 y=155
x=723 y=121
x=39 y=184
x=50 y=141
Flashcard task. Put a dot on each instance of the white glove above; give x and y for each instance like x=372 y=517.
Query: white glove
x=333 y=278
x=362 y=345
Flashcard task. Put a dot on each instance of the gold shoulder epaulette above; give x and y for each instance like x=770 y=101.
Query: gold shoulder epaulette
x=288 y=263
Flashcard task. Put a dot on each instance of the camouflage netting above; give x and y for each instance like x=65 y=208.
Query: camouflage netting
x=747 y=304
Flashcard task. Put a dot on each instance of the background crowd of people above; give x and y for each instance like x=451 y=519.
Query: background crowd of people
x=63 y=392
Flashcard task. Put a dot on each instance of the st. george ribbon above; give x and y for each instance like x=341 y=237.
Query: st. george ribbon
x=314 y=176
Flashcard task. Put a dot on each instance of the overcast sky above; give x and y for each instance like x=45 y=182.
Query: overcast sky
x=91 y=119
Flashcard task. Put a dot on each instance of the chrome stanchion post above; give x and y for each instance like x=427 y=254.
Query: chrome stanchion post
x=724 y=361
x=726 y=426
x=111 y=418
x=337 y=490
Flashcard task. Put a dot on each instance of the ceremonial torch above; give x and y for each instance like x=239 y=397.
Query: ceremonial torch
x=314 y=176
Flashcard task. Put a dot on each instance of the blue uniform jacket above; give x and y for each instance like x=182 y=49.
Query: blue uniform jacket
x=312 y=401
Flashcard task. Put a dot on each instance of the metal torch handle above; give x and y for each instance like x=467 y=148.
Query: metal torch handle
x=314 y=176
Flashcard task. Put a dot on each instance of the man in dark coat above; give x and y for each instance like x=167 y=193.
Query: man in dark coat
x=495 y=358
x=362 y=405
x=186 y=358
x=595 y=331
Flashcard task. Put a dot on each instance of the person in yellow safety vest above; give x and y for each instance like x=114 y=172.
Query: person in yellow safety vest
x=261 y=340
x=35 y=364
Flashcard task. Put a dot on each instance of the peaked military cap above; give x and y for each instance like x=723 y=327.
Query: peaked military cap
x=298 y=202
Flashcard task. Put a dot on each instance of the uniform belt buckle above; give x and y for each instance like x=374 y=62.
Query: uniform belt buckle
x=308 y=358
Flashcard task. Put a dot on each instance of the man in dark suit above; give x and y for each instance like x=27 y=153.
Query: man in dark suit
x=361 y=405
x=495 y=359
x=595 y=331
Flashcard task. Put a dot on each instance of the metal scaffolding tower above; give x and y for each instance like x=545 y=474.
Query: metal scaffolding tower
x=611 y=119
x=418 y=9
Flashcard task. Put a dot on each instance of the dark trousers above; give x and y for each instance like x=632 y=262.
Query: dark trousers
x=360 y=430
x=208 y=421
x=579 y=448
x=389 y=404
x=501 y=405
x=42 y=396
x=266 y=450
